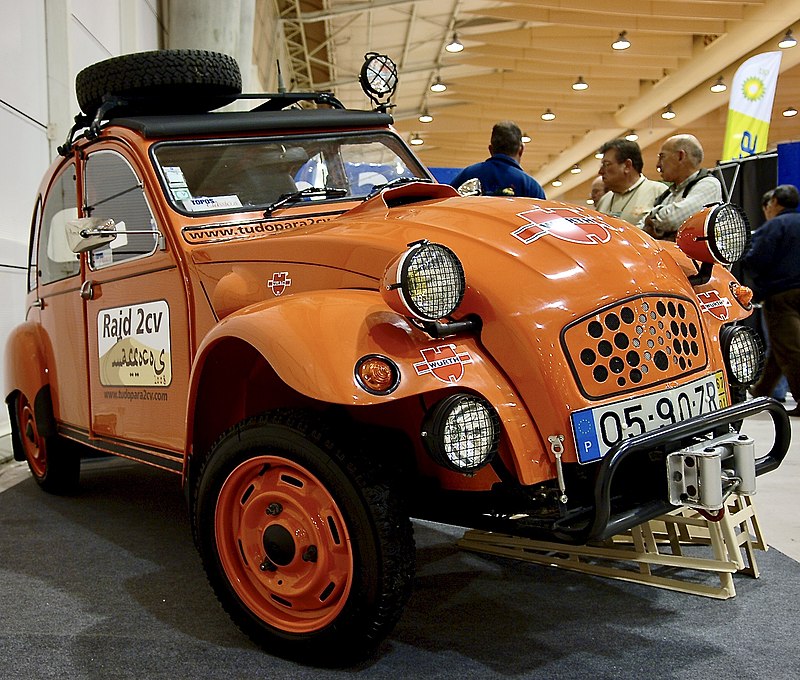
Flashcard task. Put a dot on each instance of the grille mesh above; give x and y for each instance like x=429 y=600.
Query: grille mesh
x=634 y=344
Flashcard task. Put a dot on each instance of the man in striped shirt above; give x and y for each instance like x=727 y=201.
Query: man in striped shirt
x=679 y=163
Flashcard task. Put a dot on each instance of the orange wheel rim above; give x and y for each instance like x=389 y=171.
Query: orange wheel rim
x=284 y=544
x=33 y=444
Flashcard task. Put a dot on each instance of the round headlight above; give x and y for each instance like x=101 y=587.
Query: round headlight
x=744 y=354
x=461 y=432
x=728 y=233
x=429 y=280
x=720 y=233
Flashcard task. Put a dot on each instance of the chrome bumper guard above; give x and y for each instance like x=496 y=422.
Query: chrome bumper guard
x=704 y=482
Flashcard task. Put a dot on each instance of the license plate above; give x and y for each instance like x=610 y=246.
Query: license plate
x=600 y=428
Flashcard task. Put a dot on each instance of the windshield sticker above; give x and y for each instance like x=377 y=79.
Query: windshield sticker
x=174 y=176
x=279 y=282
x=568 y=223
x=716 y=305
x=237 y=231
x=133 y=345
x=444 y=362
x=203 y=203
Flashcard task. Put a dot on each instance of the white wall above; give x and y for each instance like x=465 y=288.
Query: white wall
x=43 y=45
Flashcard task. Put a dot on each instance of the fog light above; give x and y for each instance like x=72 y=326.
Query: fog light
x=717 y=233
x=427 y=282
x=377 y=374
x=461 y=432
x=744 y=354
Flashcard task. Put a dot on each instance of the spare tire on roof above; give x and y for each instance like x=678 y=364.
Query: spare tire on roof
x=161 y=82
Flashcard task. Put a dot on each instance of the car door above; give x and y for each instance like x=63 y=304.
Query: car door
x=55 y=274
x=136 y=319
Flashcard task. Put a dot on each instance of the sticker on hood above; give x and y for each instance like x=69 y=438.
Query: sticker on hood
x=279 y=282
x=568 y=223
x=444 y=362
x=713 y=303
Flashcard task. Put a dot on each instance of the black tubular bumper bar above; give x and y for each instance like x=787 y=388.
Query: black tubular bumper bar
x=605 y=525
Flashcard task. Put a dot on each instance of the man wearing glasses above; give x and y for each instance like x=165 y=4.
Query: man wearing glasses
x=691 y=187
x=630 y=194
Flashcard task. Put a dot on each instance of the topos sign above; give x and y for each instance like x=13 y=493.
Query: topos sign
x=133 y=345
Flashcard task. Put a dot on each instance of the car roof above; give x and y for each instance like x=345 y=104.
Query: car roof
x=162 y=126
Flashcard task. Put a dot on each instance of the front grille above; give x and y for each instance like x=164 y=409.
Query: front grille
x=634 y=344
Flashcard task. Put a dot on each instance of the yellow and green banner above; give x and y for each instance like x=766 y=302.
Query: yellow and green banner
x=750 y=107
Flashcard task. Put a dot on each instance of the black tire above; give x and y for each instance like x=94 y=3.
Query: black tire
x=54 y=463
x=257 y=507
x=162 y=81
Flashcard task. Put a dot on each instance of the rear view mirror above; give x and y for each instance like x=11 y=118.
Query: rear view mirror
x=88 y=233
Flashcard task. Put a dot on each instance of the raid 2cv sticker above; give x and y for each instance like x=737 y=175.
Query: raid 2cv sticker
x=133 y=345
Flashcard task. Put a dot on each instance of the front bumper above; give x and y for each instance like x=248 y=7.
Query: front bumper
x=677 y=439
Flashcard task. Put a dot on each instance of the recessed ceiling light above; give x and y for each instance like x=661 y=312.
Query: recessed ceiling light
x=791 y=111
x=525 y=138
x=632 y=136
x=556 y=182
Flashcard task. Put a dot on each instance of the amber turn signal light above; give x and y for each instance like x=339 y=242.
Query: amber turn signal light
x=743 y=294
x=377 y=374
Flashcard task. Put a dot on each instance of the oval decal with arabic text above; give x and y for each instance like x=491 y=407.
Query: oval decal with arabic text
x=568 y=223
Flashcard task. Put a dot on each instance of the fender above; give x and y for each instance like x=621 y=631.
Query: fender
x=313 y=341
x=26 y=372
x=25 y=367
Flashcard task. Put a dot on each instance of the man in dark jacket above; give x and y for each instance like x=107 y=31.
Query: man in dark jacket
x=501 y=174
x=773 y=261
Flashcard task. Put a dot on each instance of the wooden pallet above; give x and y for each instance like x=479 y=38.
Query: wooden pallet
x=662 y=552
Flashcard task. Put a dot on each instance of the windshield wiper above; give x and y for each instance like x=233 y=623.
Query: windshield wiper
x=295 y=196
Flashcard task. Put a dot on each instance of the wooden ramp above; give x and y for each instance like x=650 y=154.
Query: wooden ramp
x=680 y=551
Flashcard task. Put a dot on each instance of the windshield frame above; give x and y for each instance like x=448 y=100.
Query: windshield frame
x=395 y=144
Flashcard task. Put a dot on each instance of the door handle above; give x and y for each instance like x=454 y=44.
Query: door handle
x=87 y=290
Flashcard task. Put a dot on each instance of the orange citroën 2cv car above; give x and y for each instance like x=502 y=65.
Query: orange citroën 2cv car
x=282 y=308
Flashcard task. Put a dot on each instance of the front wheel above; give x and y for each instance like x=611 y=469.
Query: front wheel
x=54 y=464
x=305 y=543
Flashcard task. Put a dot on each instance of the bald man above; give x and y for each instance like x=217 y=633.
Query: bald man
x=679 y=163
x=597 y=190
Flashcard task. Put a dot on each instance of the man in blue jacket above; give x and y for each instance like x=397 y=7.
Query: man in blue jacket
x=773 y=261
x=501 y=173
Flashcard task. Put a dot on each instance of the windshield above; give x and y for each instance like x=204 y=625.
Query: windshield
x=237 y=175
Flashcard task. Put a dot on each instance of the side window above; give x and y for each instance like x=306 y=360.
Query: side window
x=55 y=260
x=113 y=190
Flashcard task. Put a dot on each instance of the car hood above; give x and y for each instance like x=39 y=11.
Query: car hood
x=533 y=268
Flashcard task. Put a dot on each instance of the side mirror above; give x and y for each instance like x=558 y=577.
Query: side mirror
x=472 y=187
x=89 y=233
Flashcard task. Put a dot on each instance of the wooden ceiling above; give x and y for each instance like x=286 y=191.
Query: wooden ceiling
x=521 y=58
